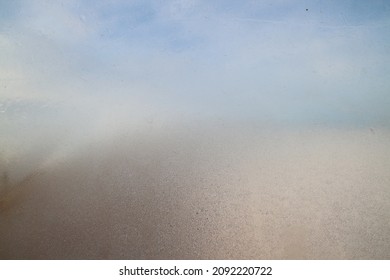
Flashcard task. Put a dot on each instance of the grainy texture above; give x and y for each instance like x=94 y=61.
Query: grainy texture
x=221 y=192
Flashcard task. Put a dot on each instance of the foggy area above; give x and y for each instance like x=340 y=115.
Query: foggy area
x=194 y=130
x=207 y=191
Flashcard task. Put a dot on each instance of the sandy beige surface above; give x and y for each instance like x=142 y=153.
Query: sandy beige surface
x=216 y=192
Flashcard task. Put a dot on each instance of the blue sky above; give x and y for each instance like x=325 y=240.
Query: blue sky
x=105 y=61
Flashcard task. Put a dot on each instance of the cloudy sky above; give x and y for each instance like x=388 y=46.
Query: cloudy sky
x=115 y=62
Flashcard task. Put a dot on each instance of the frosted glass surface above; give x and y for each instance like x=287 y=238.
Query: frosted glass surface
x=194 y=129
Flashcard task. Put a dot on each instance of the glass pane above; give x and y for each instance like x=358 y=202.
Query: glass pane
x=194 y=129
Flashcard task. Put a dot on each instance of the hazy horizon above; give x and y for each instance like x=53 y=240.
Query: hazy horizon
x=86 y=67
x=153 y=107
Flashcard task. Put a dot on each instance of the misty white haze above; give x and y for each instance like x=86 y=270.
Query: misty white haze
x=194 y=129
